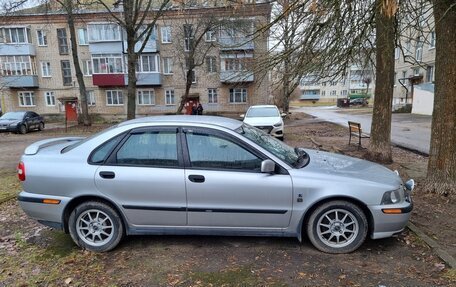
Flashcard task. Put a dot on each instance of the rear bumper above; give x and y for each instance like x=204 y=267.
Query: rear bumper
x=47 y=214
x=387 y=225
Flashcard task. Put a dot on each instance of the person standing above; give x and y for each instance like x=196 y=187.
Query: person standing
x=199 y=109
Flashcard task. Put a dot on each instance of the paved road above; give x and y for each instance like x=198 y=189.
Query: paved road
x=407 y=130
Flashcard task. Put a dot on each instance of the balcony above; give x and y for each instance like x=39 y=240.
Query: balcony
x=147 y=79
x=109 y=80
x=106 y=47
x=29 y=81
x=236 y=43
x=17 y=50
x=236 y=76
x=151 y=46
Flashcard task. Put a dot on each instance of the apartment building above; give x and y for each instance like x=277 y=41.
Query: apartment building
x=415 y=64
x=357 y=82
x=37 y=71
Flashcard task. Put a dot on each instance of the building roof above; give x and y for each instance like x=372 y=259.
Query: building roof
x=187 y=119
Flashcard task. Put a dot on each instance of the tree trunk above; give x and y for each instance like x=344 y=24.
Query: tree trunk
x=441 y=175
x=188 y=85
x=77 y=67
x=132 y=57
x=380 y=143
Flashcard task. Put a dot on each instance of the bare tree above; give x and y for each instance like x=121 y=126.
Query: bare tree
x=137 y=18
x=70 y=8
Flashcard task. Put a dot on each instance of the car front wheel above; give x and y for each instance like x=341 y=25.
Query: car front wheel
x=41 y=126
x=95 y=226
x=22 y=129
x=337 y=227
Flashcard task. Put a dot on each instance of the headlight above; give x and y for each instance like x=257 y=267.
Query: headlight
x=392 y=197
x=279 y=124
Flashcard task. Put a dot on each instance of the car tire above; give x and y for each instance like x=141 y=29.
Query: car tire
x=41 y=126
x=95 y=226
x=22 y=129
x=337 y=227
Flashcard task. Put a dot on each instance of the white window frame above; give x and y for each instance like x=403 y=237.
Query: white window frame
x=22 y=98
x=211 y=66
x=432 y=40
x=91 y=99
x=431 y=78
x=168 y=66
x=98 y=32
x=8 y=32
x=397 y=53
x=170 y=101
x=46 y=71
x=20 y=66
x=212 y=96
x=49 y=98
x=140 y=63
x=41 y=39
x=140 y=94
x=238 y=91
x=165 y=32
x=118 y=94
x=87 y=68
x=107 y=59
x=84 y=40
x=194 y=76
x=210 y=36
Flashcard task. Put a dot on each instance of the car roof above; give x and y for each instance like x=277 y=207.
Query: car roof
x=263 y=106
x=187 y=119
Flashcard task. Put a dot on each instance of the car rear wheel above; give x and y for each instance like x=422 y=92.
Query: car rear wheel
x=337 y=227
x=22 y=129
x=95 y=226
x=41 y=126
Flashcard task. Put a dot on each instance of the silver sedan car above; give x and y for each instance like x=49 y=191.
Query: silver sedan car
x=208 y=176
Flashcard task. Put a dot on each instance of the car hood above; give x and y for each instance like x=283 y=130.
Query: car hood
x=262 y=121
x=349 y=167
x=8 y=122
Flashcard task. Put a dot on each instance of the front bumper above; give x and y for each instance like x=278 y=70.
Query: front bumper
x=387 y=225
x=47 y=214
x=8 y=129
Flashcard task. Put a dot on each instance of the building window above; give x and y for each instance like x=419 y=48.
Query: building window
x=103 y=32
x=188 y=37
x=146 y=97
x=343 y=92
x=404 y=76
x=416 y=71
x=212 y=96
x=333 y=83
x=45 y=69
x=166 y=34
x=147 y=64
x=167 y=66
x=62 y=40
x=107 y=64
x=114 y=98
x=419 y=49
x=192 y=76
x=26 y=99
x=169 y=97
x=50 y=99
x=83 y=37
x=236 y=64
x=90 y=97
x=323 y=93
x=430 y=74
x=333 y=93
x=42 y=38
x=408 y=47
x=16 y=66
x=211 y=64
x=210 y=36
x=66 y=73
x=15 y=36
x=87 y=68
x=323 y=84
x=238 y=95
x=432 y=40
x=397 y=53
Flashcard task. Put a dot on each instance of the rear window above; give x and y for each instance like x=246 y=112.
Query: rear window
x=262 y=112
x=75 y=145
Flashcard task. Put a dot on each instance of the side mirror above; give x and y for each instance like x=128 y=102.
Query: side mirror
x=242 y=116
x=283 y=115
x=267 y=166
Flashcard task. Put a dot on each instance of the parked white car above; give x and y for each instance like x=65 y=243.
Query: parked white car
x=267 y=118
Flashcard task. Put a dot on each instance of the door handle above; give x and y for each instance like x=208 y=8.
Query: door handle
x=107 y=174
x=196 y=178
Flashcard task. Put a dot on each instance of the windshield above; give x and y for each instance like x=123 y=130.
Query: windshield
x=262 y=112
x=13 y=116
x=293 y=156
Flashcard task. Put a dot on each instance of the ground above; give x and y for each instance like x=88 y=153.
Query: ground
x=34 y=255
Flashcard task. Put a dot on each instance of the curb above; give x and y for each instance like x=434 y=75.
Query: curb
x=7 y=198
x=445 y=256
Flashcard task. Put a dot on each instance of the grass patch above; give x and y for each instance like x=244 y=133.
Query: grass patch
x=450 y=274
x=9 y=186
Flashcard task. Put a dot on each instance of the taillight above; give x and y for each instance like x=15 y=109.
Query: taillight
x=21 y=171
